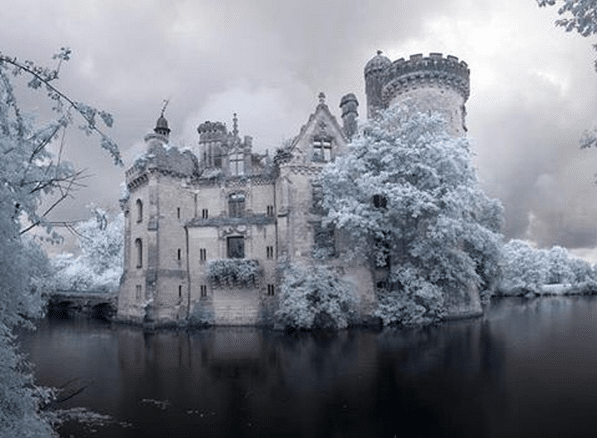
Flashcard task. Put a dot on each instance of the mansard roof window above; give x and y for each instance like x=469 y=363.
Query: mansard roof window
x=322 y=149
x=236 y=205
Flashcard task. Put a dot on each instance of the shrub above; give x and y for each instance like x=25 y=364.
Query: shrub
x=234 y=272
x=314 y=298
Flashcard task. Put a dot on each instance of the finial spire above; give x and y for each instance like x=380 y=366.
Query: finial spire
x=321 y=97
x=379 y=52
x=235 y=125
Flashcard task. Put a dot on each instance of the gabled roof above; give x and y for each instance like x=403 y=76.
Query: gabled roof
x=321 y=123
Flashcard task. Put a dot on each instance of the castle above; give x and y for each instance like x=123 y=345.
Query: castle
x=205 y=228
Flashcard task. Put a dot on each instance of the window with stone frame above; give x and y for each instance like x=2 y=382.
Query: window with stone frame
x=322 y=149
x=236 y=204
x=236 y=247
x=237 y=163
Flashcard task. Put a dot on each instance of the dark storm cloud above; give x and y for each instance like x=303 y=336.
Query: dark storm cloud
x=533 y=88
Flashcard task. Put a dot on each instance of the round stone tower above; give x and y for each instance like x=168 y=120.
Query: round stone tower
x=433 y=83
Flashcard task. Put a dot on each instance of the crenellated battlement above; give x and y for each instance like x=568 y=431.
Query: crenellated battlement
x=418 y=71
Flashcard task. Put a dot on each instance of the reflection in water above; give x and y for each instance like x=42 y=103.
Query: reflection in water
x=525 y=369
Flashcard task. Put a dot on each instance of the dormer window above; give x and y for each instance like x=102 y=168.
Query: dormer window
x=322 y=149
x=237 y=164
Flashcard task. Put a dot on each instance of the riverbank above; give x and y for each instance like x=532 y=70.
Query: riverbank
x=529 y=291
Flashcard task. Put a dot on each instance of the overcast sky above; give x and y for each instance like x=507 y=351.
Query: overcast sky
x=533 y=87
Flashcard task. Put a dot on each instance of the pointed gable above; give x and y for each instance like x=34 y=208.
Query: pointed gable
x=320 y=140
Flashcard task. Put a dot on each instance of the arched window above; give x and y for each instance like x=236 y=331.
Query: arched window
x=139 y=251
x=139 y=210
x=236 y=204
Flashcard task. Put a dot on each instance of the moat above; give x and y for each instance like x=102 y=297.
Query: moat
x=525 y=369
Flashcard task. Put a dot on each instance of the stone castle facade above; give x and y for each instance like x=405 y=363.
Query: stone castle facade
x=206 y=228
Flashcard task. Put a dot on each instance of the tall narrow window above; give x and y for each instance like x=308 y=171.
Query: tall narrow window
x=202 y=254
x=178 y=212
x=203 y=289
x=236 y=204
x=179 y=255
x=139 y=210
x=270 y=290
x=139 y=251
x=270 y=210
x=322 y=149
x=205 y=213
x=236 y=247
x=269 y=251
x=237 y=164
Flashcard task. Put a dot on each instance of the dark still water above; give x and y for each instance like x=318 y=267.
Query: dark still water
x=528 y=368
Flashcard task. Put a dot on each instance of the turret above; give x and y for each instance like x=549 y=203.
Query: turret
x=160 y=133
x=161 y=127
x=432 y=83
x=375 y=74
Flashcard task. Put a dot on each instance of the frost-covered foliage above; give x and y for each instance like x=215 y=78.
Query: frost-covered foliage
x=100 y=265
x=20 y=398
x=527 y=269
x=407 y=197
x=234 y=272
x=419 y=302
x=578 y=15
x=314 y=298
x=28 y=174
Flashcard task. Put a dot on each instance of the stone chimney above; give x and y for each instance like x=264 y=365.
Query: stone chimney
x=348 y=105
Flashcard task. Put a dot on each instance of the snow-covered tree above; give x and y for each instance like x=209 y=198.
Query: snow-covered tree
x=527 y=269
x=29 y=172
x=522 y=266
x=100 y=265
x=314 y=298
x=407 y=197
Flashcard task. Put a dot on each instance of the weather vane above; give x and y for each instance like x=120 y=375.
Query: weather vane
x=166 y=102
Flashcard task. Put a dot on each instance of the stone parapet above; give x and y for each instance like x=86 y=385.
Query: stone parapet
x=432 y=71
